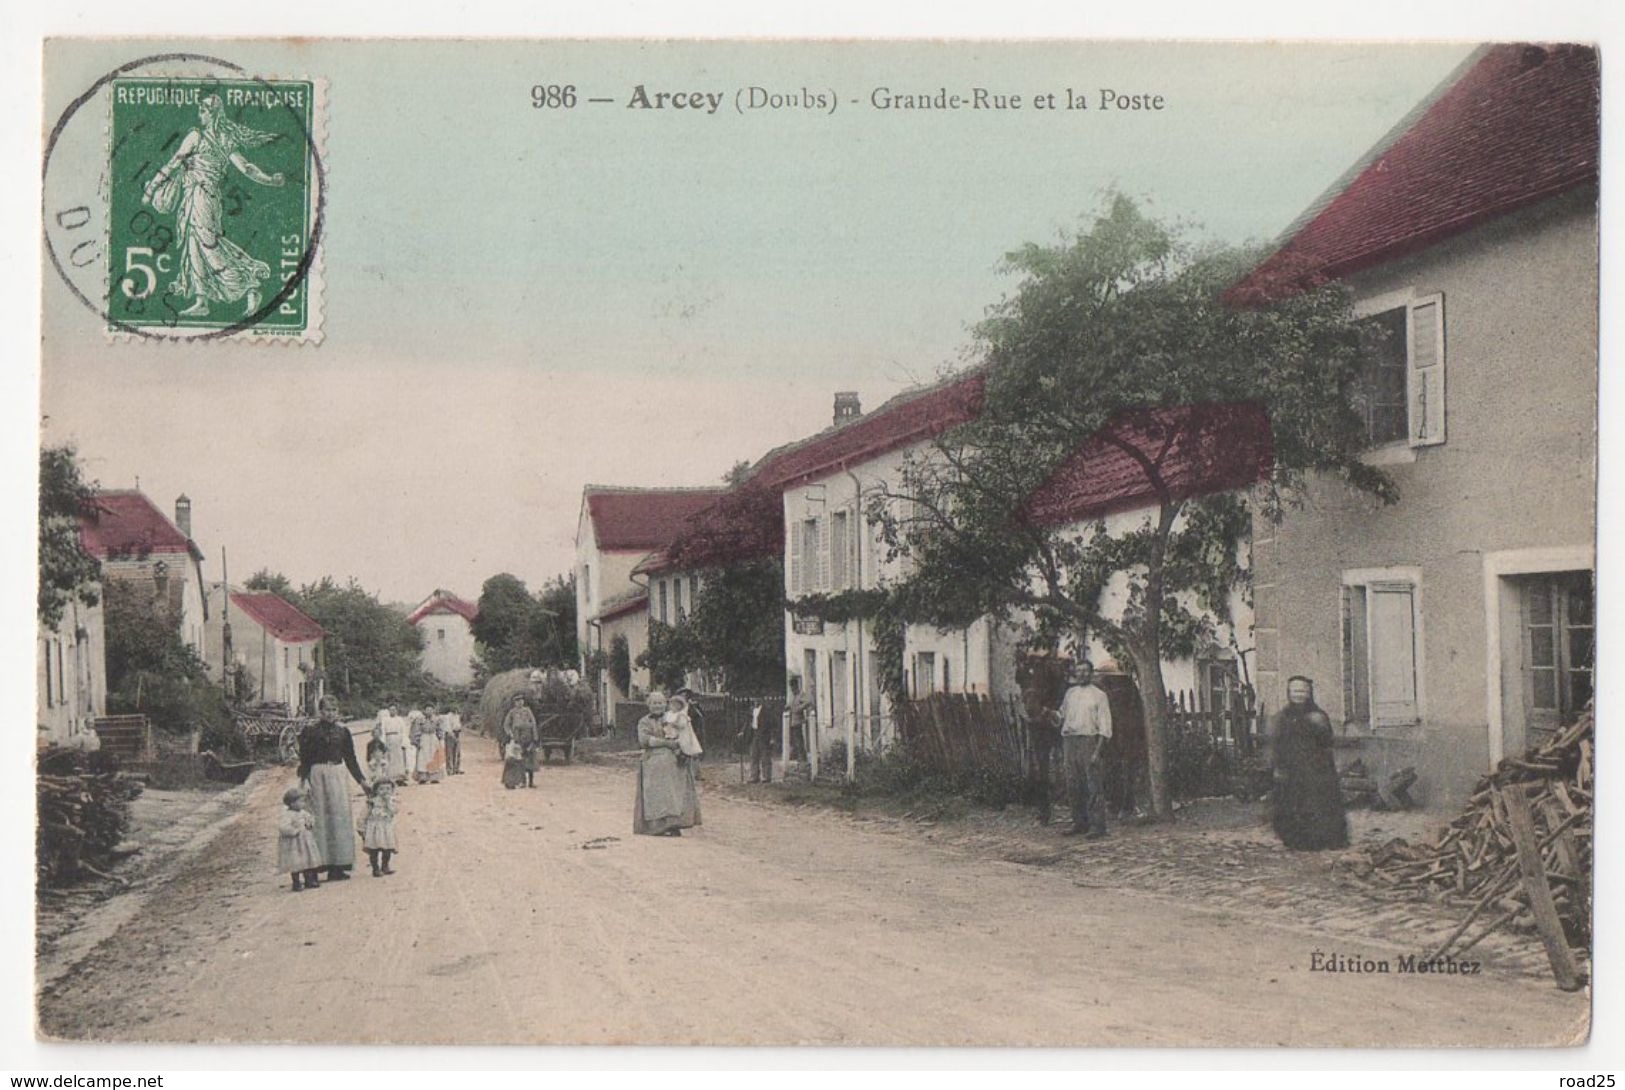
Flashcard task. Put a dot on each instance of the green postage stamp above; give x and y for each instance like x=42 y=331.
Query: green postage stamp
x=213 y=207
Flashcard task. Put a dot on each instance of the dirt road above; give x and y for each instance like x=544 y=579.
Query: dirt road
x=536 y=917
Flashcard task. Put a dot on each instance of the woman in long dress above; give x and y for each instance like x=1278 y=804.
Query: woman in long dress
x=209 y=267
x=1308 y=799
x=326 y=754
x=668 y=799
x=430 y=759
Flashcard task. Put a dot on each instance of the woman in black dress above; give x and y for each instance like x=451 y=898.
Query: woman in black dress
x=1308 y=798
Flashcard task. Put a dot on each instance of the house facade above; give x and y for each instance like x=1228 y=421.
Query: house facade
x=141 y=550
x=616 y=530
x=1454 y=627
x=276 y=645
x=71 y=677
x=446 y=622
x=830 y=547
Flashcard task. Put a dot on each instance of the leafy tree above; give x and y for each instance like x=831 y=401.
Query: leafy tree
x=151 y=671
x=276 y=583
x=516 y=628
x=371 y=653
x=557 y=627
x=672 y=653
x=620 y=663
x=66 y=572
x=736 y=631
x=1103 y=327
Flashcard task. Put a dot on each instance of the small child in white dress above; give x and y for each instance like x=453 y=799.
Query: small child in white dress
x=296 y=850
x=378 y=830
x=676 y=726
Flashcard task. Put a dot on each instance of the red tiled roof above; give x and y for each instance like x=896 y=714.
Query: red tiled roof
x=126 y=525
x=620 y=607
x=444 y=601
x=628 y=519
x=907 y=418
x=1215 y=448
x=277 y=616
x=1518 y=125
x=747 y=523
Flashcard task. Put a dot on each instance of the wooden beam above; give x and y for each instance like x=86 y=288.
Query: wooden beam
x=1522 y=827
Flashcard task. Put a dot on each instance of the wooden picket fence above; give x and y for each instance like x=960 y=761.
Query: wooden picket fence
x=967 y=732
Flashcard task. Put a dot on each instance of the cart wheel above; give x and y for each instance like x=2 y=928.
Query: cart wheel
x=287 y=745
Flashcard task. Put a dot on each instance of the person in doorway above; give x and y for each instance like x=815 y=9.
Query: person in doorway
x=326 y=753
x=668 y=799
x=1086 y=725
x=1307 y=797
x=800 y=710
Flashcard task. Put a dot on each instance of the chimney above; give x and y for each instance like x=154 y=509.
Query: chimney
x=183 y=514
x=847 y=407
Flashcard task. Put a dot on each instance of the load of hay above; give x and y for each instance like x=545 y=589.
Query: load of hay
x=554 y=695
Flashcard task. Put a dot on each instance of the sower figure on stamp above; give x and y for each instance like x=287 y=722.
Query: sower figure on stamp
x=1086 y=724
x=1308 y=799
x=326 y=752
x=209 y=267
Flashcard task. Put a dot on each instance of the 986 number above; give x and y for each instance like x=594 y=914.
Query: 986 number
x=553 y=96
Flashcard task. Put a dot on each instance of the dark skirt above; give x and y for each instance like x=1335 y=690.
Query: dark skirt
x=513 y=772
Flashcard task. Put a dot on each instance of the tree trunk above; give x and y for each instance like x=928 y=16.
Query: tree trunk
x=1154 y=703
x=1148 y=662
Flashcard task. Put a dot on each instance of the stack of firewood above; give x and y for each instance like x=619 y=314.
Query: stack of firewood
x=1520 y=853
x=84 y=812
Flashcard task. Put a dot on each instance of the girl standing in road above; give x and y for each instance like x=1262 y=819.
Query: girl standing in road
x=296 y=851
x=378 y=831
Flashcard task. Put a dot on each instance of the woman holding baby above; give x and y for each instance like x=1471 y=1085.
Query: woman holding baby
x=668 y=799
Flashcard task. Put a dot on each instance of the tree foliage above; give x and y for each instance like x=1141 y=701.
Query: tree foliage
x=1120 y=340
x=735 y=632
x=151 y=671
x=518 y=629
x=370 y=654
x=66 y=572
x=620 y=663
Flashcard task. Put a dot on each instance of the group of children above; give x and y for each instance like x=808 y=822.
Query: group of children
x=298 y=853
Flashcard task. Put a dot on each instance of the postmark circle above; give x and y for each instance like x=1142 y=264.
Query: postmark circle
x=77 y=217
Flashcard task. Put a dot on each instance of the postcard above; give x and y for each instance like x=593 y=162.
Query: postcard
x=777 y=543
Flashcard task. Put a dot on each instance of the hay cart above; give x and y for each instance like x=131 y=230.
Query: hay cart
x=564 y=713
x=272 y=729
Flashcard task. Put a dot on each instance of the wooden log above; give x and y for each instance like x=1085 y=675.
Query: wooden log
x=1546 y=920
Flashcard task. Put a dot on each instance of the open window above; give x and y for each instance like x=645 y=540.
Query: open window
x=1401 y=394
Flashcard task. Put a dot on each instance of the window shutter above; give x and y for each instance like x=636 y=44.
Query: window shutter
x=1392 y=650
x=1425 y=353
x=823 y=552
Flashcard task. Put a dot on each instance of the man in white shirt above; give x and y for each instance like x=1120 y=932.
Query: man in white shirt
x=1086 y=723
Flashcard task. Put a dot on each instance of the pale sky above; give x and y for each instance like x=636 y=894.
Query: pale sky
x=519 y=301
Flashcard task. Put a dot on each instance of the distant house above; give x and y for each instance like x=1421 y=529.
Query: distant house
x=71 y=676
x=275 y=643
x=1454 y=626
x=139 y=547
x=447 y=624
x=616 y=530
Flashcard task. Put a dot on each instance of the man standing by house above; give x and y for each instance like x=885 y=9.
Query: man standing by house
x=1086 y=724
x=799 y=709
